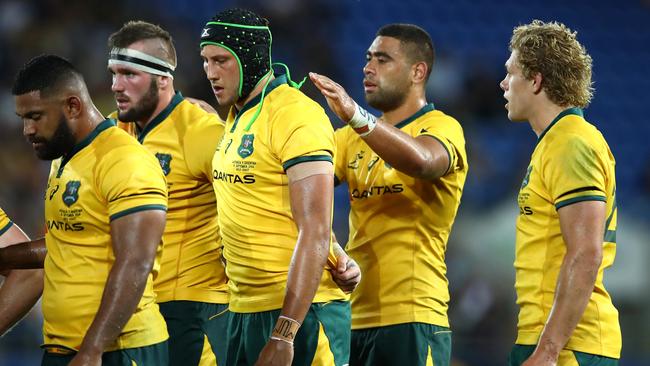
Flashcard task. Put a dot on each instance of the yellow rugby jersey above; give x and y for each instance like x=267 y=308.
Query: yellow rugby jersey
x=399 y=225
x=106 y=176
x=571 y=163
x=257 y=226
x=5 y=223
x=183 y=137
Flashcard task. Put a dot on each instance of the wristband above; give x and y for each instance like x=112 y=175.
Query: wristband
x=285 y=329
x=362 y=122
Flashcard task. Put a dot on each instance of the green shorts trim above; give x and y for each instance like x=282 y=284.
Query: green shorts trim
x=416 y=344
x=154 y=355
x=323 y=337
x=189 y=323
x=520 y=353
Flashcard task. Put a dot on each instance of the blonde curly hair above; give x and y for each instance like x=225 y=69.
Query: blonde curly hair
x=552 y=50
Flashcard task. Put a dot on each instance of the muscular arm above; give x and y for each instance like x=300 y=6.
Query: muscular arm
x=311 y=187
x=311 y=194
x=419 y=157
x=582 y=225
x=135 y=239
x=21 y=288
x=26 y=255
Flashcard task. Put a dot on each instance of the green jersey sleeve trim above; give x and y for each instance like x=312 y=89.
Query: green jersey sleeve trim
x=301 y=159
x=579 y=199
x=4 y=229
x=137 y=209
x=446 y=149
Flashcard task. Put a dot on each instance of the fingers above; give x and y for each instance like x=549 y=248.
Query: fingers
x=342 y=263
x=323 y=83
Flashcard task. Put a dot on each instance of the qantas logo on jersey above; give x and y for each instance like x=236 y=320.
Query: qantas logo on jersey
x=233 y=178
x=376 y=191
x=165 y=161
x=64 y=226
x=71 y=193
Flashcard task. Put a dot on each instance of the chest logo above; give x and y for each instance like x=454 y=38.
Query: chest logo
x=524 y=183
x=373 y=162
x=354 y=164
x=165 y=161
x=245 y=149
x=53 y=191
x=71 y=193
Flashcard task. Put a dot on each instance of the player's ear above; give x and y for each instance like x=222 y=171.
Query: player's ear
x=163 y=82
x=419 y=72
x=537 y=82
x=72 y=106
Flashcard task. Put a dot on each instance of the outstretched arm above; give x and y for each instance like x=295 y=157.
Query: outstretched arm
x=21 y=288
x=135 y=239
x=419 y=157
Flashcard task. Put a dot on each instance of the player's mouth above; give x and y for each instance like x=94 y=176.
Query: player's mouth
x=369 y=86
x=122 y=103
x=217 y=90
x=37 y=144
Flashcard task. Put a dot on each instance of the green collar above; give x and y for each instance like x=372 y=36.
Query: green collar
x=107 y=123
x=566 y=112
x=176 y=99
x=280 y=80
x=426 y=109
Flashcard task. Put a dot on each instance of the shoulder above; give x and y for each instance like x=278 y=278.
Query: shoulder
x=441 y=120
x=286 y=99
x=574 y=131
x=114 y=144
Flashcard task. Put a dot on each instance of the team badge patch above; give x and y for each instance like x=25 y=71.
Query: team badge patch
x=71 y=193
x=527 y=177
x=246 y=147
x=165 y=161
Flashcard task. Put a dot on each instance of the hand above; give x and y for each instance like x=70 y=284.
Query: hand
x=276 y=353
x=203 y=104
x=347 y=273
x=86 y=359
x=337 y=98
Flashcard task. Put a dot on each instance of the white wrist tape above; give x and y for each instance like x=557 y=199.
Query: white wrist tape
x=362 y=121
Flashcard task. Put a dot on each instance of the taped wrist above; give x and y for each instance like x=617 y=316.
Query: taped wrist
x=362 y=122
x=285 y=329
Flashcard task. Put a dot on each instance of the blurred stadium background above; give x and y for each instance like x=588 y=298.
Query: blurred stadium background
x=331 y=37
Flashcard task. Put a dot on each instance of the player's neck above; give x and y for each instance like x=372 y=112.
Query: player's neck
x=164 y=98
x=542 y=115
x=255 y=92
x=410 y=106
x=87 y=123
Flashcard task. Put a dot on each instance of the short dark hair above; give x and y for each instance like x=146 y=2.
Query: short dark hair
x=139 y=30
x=415 y=41
x=45 y=73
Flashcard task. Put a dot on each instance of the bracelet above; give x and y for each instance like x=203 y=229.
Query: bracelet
x=362 y=122
x=281 y=339
x=285 y=329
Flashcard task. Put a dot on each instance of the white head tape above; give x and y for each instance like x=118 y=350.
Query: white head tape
x=140 y=61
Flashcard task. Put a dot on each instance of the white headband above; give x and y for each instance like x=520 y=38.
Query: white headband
x=140 y=61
